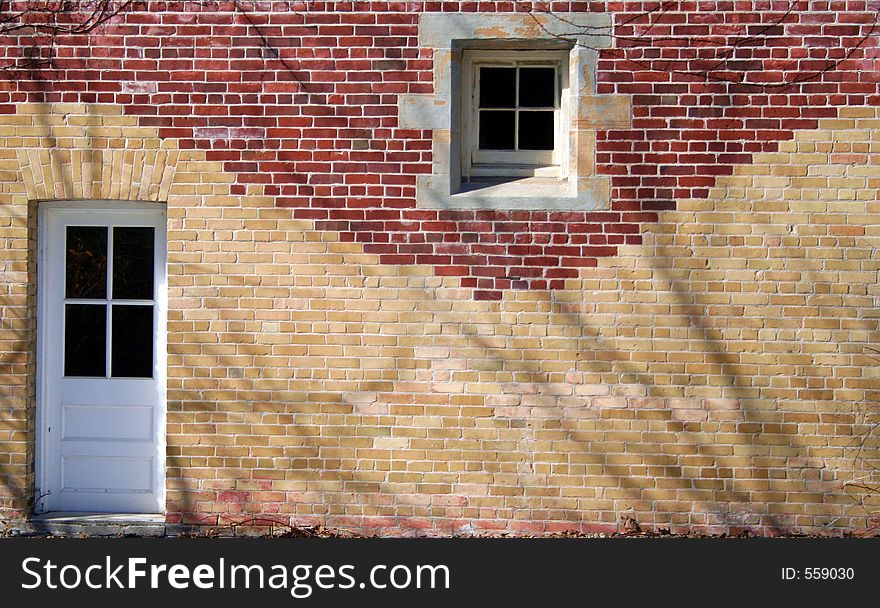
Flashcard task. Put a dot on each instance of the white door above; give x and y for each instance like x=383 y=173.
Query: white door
x=102 y=345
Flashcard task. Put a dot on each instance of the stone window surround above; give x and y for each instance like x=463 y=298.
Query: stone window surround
x=448 y=34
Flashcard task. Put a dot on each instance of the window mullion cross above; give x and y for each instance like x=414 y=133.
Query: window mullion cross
x=516 y=109
x=109 y=316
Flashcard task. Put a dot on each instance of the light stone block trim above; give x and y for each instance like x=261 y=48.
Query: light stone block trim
x=448 y=34
x=438 y=30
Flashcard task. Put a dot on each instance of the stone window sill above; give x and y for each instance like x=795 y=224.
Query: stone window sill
x=532 y=193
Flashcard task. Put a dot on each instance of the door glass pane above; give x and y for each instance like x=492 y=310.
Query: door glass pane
x=497 y=87
x=536 y=130
x=497 y=130
x=85 y=340
x=133 y=263
x=132 y=350
x=86 y=262
x=537 y=88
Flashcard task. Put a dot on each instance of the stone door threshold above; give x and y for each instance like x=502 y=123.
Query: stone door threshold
x=98 y=524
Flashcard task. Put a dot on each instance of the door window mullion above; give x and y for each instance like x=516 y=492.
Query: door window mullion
x=109 y=316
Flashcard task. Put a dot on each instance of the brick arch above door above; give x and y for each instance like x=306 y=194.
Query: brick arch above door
x=84 y=151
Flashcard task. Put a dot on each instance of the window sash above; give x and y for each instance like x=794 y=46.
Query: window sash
x=487 y=163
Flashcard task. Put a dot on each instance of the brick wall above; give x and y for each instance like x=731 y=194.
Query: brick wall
x=693 y=357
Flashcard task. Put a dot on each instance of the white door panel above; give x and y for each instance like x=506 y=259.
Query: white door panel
x=110 y=422
x=102 y=344
x=117 y=474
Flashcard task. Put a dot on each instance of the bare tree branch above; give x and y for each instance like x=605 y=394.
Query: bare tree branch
x=720 y=64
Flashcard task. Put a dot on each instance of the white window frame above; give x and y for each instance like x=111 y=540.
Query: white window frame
x=517 y=163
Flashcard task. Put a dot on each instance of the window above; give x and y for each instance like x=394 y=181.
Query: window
x=513 y=114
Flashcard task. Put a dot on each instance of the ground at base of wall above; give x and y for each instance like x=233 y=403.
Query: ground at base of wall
x=104 y=528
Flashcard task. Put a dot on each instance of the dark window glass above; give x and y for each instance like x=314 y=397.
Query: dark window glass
x=133 y=263
x=537 y=87
x=131 y=355
x=536 y=130
x=85 y=343
x=497 y=130
x=497 y=87
x=86 y=262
